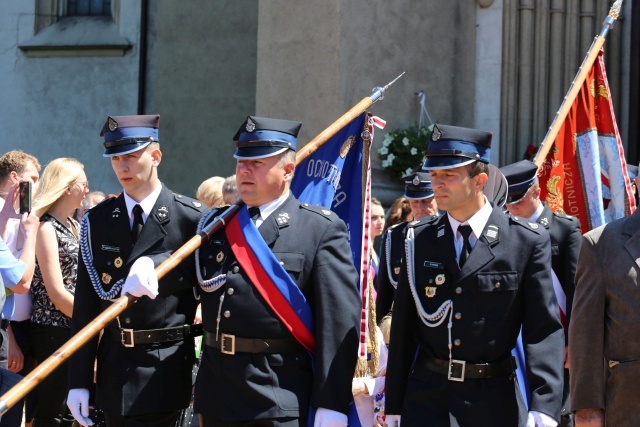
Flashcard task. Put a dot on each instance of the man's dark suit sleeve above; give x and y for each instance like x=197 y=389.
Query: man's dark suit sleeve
x=587 y=332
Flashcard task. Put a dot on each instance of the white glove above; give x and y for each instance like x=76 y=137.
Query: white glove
x=538 y=419
x=393 y=420
x=328 y=418
x=78 y=403
x=142 y=279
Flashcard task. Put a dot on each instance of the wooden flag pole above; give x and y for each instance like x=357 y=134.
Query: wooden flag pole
x=576 y=84
x=29 y=382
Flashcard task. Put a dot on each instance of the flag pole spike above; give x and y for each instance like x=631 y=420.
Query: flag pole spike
x=355 y=111
x=576 y=84
x=378 y=92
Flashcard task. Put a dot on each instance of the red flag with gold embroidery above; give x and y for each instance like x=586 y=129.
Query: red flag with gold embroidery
x=585 y=172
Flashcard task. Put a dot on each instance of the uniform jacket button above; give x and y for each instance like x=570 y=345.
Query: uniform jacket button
x=497 y=285
x=235 y=269
x=127 y=320
x=227 y=313
x=458 y=290
x=458 y=315
x=457 y=342
x=230 y=291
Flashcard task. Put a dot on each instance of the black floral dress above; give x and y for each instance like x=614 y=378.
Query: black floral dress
x=44 y=312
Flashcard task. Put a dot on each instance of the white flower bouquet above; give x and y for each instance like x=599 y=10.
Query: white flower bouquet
x=402 y=150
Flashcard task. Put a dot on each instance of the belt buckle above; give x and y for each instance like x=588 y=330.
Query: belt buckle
x=462 y=364
x=127 y=333
x=226 y=349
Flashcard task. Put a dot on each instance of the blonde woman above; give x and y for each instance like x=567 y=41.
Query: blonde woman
x=210 y=192
x=63 y=186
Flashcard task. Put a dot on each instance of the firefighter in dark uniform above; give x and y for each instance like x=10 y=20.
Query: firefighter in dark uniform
x=523 y=200
x=474 y=278
x=253 y=371
x=418 y=191
x=145 y=356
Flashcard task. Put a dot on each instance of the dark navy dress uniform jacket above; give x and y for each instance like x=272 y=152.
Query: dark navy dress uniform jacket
x=504 y=285
x=311 y=244
x=143 y=379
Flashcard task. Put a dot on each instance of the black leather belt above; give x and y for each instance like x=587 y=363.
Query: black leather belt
x=458 y=370
x=131 y=338
x=231 y=344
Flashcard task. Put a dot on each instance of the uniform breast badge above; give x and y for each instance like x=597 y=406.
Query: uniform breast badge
x=106 y=278
x=220 y=257
x=430 y=291
x=440 y=279
x=117 y=262
x=396 y=270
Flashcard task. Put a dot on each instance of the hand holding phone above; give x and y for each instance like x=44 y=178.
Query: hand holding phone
x=25 y=197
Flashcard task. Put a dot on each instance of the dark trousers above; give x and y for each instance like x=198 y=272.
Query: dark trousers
x=162 y=419
x=277 y=422
x=52 y=391
x=431 y=400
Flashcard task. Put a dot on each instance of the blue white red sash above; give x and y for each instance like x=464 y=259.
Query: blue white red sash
x=270 y=279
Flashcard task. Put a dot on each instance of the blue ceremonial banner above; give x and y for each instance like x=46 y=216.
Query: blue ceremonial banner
x=332 y=177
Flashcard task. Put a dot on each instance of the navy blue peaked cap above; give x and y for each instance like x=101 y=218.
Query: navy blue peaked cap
x=520 y=177
x=417 y=186
x=453 y=146
x=126 y=134
x=260 y=137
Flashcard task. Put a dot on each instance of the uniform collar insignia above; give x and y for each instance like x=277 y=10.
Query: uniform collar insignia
x=534 y=225
x=282 y=219
x=441 y=231
x=163 y=212
x=492 y=234
x=544 y=221
x=115 y=213
x=196 y=204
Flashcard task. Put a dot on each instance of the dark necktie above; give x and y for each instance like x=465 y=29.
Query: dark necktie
x=465 y=231
x=137 y=222
x=254 y=213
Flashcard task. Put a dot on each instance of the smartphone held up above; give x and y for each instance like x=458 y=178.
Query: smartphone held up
x=25 y=197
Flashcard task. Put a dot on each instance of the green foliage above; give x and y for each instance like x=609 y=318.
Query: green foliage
x=403 y=150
